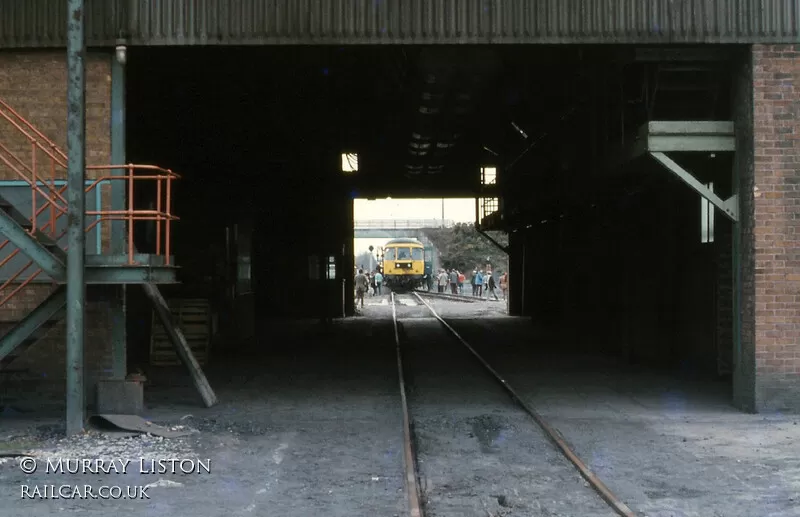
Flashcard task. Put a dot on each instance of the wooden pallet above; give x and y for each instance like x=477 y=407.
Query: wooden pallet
x=193 y=317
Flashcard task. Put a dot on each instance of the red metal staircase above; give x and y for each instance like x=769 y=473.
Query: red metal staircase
x=35 y=230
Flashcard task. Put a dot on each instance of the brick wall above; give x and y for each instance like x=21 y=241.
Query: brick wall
x=776 y=232
x=34 y=84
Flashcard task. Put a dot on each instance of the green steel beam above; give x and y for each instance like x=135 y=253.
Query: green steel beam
x=677 y=136
x=76 y=211
x=139 y=259
x=688 y=136
x=729 y=207
x=117 y=302
x=33 y=326
x=181 y=346
x=31 y=247
x=115 y=275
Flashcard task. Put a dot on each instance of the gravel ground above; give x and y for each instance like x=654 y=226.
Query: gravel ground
x=478 y=453
x=309 y=424
x=667 y=446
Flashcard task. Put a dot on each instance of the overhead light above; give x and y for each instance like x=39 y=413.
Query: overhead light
x=489 y=150
x=122 y=54
x=519 y=130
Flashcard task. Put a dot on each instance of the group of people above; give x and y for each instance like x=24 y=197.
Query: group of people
x=366 y=281
x=455 y=280
x=482 y=281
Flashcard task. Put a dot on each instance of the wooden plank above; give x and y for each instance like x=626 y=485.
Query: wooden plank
x=192 y=316
x=181 y=346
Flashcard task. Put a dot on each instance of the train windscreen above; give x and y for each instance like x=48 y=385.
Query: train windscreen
x=417 y=253
x=388 y=254
x=403 y=253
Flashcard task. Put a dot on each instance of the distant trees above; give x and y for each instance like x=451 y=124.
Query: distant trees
x=366 y=260
x=463 y=248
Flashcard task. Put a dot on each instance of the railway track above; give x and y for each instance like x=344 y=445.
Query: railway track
x=445 y=296
x=417 y=484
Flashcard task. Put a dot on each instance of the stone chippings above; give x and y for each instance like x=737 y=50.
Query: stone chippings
x=49 y=442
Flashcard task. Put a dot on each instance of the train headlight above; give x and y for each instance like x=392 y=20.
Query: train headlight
x=397 y=265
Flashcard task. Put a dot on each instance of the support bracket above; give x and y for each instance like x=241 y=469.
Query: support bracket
x=729 y=207
x=181 y=346
x=657 y=138
x=33 y=326
x=488 y=237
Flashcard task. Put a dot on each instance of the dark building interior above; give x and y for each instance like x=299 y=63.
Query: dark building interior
x=607 y=256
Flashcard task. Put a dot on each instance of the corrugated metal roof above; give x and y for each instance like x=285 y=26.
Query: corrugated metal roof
x=37 y=23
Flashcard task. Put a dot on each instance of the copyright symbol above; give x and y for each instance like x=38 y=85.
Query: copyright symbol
x=27 y=465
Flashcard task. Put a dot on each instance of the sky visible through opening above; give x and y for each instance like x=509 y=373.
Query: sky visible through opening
x=456 y=210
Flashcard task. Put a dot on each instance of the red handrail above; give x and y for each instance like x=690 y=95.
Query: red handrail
x=32 y=128
x=55 y=202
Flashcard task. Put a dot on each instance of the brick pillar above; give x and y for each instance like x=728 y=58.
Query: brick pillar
x=776 y=225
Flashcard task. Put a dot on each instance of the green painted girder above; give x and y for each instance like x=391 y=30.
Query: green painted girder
x=180 y=344
x=34 y=326
x=115 y=275
x=115 y=269
x=729 y=207
x=688 y=136
x=677 y=136
x=657 y=138
x=40 y=248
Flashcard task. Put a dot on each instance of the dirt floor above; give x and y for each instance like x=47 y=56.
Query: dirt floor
x=309 y=424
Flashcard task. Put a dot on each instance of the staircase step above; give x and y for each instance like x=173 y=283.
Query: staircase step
x=15 y=214
x=51 y=262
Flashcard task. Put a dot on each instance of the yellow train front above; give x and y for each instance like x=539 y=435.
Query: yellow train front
x=403 y=263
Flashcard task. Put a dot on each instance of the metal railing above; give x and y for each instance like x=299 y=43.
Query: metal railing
x=402 y=224
x=42 y=181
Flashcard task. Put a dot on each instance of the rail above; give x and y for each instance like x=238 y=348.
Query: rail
x=619 y=507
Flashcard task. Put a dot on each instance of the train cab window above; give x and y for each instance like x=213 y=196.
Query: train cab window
x=417 y=253
x=403 y=253
x=388 y=254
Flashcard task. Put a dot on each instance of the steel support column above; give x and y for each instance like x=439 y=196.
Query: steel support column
x=76 y=200
x=349 y=264
x=117 y=305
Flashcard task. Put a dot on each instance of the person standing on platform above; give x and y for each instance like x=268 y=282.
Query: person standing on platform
x=442 y=281
x=362 y=284
x=490 y=284
x=378 y=282
x=479 y=284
